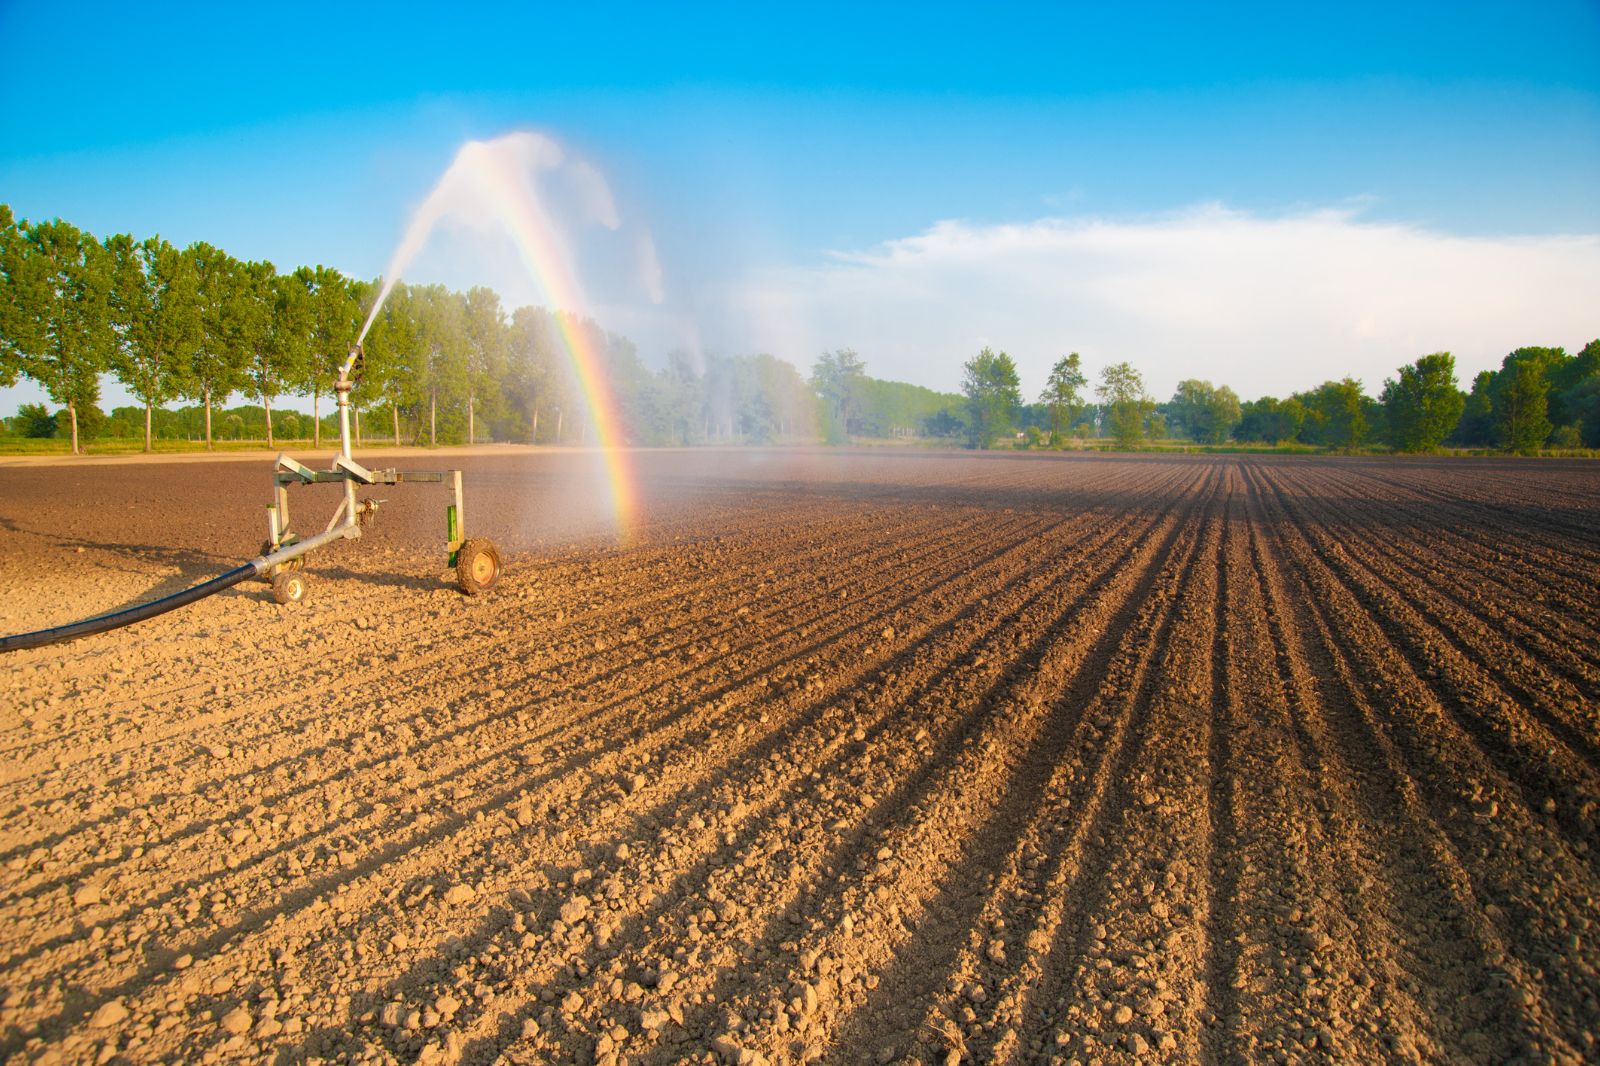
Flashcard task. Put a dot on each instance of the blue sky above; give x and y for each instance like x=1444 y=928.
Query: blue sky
x=863 y=175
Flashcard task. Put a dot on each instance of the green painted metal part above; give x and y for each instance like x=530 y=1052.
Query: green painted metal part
x=450 y=530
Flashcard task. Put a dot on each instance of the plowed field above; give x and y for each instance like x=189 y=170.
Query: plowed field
x=888 y=757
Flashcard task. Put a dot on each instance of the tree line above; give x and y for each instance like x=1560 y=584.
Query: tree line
x=199 y=325
x=1540 y=397
x=196 y=324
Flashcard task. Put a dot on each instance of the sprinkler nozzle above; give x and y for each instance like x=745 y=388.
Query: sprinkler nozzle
x=350 y=373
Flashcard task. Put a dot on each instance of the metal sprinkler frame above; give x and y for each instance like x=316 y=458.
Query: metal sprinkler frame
x=282 y=558
x=476 y=560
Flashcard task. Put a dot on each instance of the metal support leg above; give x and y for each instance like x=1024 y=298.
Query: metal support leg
x=283 y=515
x=461 y=513
x=454 y=522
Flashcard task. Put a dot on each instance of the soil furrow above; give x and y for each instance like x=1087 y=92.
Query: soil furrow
x=1491 y=898
x=1543 y=754
x=871 y=755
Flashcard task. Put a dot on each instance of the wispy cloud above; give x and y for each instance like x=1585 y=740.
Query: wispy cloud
x=1268 y=304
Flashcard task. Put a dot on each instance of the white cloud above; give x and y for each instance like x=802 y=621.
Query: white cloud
x=1265 y=304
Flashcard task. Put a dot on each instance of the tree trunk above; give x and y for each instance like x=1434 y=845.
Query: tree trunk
x=316 y=418
x=72 y=415
x=433 y=412
x=533 y=438
x=558 y=425
x=394 y=409
x=471 y=436
x=266 y=402
x=147 y=425
x=355 y=412
x=208 y=418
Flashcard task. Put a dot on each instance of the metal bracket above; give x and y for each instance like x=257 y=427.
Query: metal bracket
x=354 y=469
x=296 y=469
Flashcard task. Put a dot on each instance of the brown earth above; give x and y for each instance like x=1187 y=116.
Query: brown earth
x=854 y=757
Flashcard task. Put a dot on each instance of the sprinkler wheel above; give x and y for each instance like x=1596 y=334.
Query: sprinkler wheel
x=289 y=587
x=477 y=566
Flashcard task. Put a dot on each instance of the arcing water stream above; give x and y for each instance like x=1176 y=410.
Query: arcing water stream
x=499 y=186
x=502 y=185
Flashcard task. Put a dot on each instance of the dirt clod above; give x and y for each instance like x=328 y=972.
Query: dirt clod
x=237 y=1021
x=109 y=1015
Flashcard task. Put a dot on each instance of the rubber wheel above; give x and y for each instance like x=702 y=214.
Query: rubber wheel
x=292 y=564
x=477 y=566
x=289 y=587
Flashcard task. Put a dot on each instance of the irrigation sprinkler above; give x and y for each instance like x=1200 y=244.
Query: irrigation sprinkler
x=282 y=559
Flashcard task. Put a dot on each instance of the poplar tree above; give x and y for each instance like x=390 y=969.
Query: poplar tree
x=838 y=379
x=155 y=320
x=1063 y=393
x=333 y=320
x=439 y=364
x=1122 y=390
x=485 y=336
x=216 y=368
x=993 y=395
x=13 y=271
x=389 y=349
x=530 y=358
x=58 y=314
x=1521 y=404
x=273 y=313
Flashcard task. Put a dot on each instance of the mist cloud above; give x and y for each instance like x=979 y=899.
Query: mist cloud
x=1266 y=304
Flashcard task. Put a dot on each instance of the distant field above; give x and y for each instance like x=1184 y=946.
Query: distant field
x=884 y=756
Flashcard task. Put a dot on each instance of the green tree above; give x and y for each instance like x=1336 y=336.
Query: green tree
x=837 y=378
x=216 y=368
x=272 y=315
x=1573 y=386
x=1270 y=419
x=439 y=366
x=155 y=318
x=485 y=350
x=1422 y=406
x=334 y=319
x=1521 y=404
x=390 y=348
x=1063 y=393
x=895 y=408
x=1561 y=371
x=784 y=394
x=34 y=420
x=58 y=318
x=943 y=423
x=1475 y=429
x=14 y=266
x=1206 y=413
x=1335 y=415
x=536 y=383
x=1122 y=391
x=994 y=392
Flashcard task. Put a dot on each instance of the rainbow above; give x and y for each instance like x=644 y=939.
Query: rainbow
x=505 y=193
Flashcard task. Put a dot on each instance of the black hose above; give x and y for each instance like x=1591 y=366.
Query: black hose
x=129 y=615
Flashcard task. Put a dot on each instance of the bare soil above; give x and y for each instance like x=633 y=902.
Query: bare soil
x=873 y=757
